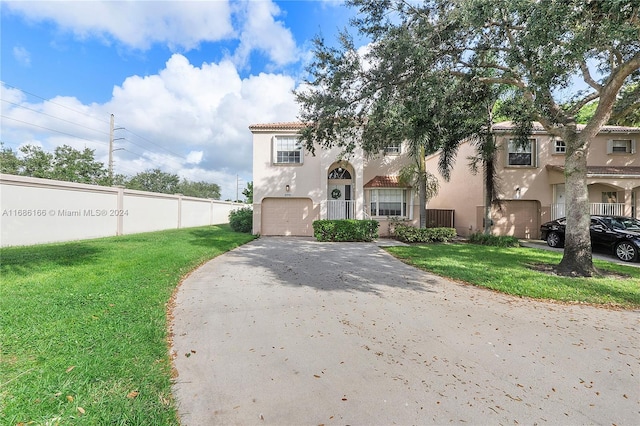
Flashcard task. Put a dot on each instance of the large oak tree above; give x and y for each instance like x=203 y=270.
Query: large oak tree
x=541 y=49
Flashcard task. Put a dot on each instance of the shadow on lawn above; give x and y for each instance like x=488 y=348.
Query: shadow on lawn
x=24 y=260
x=531 y=266
x=219 y=237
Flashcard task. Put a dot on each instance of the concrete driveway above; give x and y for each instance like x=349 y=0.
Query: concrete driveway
x=289 y=331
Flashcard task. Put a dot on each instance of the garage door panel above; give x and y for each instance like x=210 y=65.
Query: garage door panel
x=288 y=216
x=517 y=218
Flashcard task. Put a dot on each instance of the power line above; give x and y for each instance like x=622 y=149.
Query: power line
x=55 y=103
x=153 y=143
x=53 y=116
x=49 y=129
x=148 y=141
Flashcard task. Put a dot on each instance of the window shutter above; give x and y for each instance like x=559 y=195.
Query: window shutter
x=633 y=146
x=609 y=146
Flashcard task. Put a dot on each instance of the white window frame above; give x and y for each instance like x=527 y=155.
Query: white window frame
x=513 y=148
x=559 y=146
x=376 y=195
x=293 y=145
x=614 y=146
x=393 y=149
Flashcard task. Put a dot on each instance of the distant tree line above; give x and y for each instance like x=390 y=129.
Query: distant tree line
x=71 y=165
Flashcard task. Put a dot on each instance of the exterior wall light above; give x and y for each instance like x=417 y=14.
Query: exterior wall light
x=287 y=188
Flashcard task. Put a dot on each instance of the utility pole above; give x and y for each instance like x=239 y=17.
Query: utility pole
x=111 y=139
x=111 y=149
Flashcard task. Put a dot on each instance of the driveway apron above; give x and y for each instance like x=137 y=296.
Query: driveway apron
x=290 y=331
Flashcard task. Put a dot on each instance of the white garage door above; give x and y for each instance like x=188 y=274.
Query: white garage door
x=288 y=216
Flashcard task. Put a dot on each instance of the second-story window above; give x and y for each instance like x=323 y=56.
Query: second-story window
x=522 y=154
x=621 y=146
x=393 y=149
x=288 y=150
x=559 y=147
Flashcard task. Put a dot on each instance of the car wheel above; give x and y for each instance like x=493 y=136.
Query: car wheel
x=626 y=251
x=554 y=239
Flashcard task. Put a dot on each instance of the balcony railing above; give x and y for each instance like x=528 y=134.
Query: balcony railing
x=608 y=209
x=604 y=209
x=341 y=209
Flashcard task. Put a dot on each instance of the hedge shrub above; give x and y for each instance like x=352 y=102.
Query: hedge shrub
x=409 y=234
x=494 y=240
x=345 y=230
x=241 y=220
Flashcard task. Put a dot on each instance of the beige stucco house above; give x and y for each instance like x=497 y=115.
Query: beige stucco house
x=292 y=187
x=531 y=183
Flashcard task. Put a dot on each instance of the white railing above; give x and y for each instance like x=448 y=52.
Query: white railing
x=604 y=209
x=608 y=209
x=558 y=211
x=341 y=209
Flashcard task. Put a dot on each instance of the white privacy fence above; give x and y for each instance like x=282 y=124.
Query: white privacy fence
x=35 y=211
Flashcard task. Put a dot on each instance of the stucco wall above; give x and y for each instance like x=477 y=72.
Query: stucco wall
x=310 y=179
x=464 y=192
x=35 y=211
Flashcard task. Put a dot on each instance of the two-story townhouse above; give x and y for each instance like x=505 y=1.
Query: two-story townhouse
x=292 y=187
x=531 y=182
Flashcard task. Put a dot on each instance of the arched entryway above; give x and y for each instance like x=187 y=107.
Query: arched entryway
x=340 y=191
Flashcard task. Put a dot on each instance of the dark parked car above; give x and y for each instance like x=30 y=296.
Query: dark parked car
x=617 y=234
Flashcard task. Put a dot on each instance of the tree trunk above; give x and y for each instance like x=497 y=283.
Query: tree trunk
x=488 y=198
x=422 y=190
x=577 y=260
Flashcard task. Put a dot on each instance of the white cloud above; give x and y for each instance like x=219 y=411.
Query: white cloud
x=188 y=120
x=22 y=55
x=138 y=24
x=194 y=157
x=181 y=25
x=260 y=31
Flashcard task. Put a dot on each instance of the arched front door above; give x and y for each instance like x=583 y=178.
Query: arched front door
x=340 y=196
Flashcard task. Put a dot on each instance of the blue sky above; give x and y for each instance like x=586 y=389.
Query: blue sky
x=183 y=79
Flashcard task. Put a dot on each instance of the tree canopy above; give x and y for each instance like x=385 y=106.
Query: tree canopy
x=72 y=165
x=538 y=50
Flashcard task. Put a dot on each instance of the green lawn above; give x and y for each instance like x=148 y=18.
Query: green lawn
x=83 y=326
x=517 y=271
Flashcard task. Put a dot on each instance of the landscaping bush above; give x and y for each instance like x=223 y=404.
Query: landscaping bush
x=241 y=220
x=494 y=240
x=409 y=234
x=345 y=230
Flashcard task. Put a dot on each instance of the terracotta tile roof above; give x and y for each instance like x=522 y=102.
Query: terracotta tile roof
x=603 y=170
x=385 y=182
x=595 y=170
x=507 y=126
x=293 y=125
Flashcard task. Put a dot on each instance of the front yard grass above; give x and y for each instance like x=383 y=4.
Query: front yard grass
x=525 y=272
x=83 y=326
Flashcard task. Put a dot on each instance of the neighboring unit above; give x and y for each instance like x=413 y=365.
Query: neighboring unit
x=292 y=187
x=531 y=182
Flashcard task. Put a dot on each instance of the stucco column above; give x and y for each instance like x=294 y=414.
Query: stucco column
x=627 y=202
x=120 y=207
